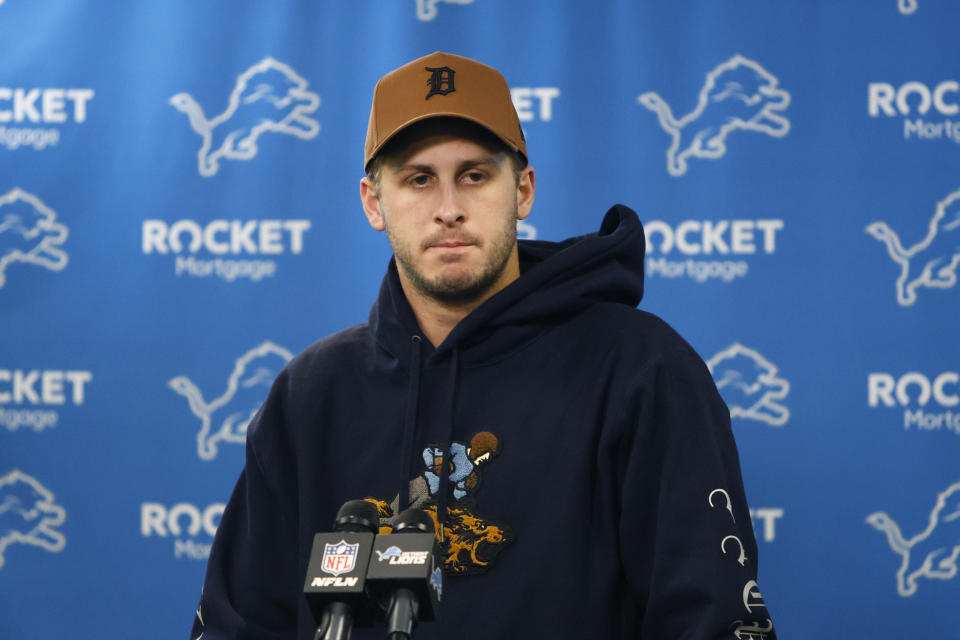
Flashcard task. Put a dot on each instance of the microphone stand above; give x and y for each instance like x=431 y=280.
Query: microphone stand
x=338 y=606
x=402 y=614
x=337 y=623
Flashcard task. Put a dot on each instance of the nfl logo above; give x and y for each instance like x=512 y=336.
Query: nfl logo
x=339 y=558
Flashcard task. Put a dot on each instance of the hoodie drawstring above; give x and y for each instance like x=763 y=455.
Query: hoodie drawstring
x=446 y=453
x=410 y=427
x=409 y=423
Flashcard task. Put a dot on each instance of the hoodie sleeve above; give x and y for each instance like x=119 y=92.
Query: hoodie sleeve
x=251 y=586
x=686 y=537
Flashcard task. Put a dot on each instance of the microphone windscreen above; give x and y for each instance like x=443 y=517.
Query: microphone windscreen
x=357 y=515
x=414 y=521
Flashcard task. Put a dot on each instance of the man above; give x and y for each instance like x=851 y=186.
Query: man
x=610 y=503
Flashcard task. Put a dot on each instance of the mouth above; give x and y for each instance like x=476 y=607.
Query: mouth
x=450 y=245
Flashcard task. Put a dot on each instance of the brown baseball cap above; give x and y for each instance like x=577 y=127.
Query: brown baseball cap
x=442 y=84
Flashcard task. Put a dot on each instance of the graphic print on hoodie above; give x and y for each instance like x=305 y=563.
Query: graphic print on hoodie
x=469 y=542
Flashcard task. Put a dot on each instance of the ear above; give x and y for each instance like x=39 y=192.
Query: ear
x=526 y=186
x=371 y=204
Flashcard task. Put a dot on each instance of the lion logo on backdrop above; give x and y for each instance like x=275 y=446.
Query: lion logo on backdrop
x=225 y=418
x=427 y=9
x=526 y=231
x=739 y=94
x=749 y=385
x=29 y=514
x=30 y=233
x=268 y=97
x=470 y=541
x=931 y=262
x=933 y=552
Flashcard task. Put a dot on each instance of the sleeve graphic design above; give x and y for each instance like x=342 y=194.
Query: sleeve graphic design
x=753 y=604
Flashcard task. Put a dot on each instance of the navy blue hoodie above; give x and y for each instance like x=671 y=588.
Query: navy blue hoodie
x=592 y=488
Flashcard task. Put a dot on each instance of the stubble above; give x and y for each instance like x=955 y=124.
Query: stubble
x=464 y=287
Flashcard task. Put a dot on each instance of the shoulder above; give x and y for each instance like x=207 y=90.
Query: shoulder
x=644 y=351
x=304 y=382
x=635 y=331
x=352 y=345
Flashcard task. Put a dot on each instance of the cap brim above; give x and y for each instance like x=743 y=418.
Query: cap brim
x=440 y=114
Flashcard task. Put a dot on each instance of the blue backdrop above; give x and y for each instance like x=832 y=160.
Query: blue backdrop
x=179 y=214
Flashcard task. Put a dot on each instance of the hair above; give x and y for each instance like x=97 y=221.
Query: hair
x=393 y=149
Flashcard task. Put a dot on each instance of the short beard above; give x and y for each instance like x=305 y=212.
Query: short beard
x=463 y=289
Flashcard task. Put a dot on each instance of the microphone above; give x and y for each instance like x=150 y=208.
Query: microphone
x=405 y=574
x=336 y=573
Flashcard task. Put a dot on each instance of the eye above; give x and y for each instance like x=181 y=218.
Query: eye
x=419 y=180
x=474 y=176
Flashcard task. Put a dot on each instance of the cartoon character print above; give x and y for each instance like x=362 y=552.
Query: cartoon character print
x=469 y=542
x=464 y=473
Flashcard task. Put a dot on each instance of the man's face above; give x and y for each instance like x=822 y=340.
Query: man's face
x=450 y=207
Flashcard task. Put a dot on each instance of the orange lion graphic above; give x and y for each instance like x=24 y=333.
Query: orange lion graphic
x=469 y=544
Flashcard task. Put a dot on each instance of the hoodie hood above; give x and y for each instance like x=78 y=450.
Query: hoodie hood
x=557 y=279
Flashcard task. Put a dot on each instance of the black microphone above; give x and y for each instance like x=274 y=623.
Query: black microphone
x=405 y=573
x=335 y=586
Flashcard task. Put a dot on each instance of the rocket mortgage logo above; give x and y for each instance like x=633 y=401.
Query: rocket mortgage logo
x=709 y=250
x=929 y=402
x=32 y=117
x=928 y=111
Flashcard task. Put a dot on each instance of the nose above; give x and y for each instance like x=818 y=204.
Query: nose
x=450 y=211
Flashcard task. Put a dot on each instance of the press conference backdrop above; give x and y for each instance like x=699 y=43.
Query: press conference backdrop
x=179 y=216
